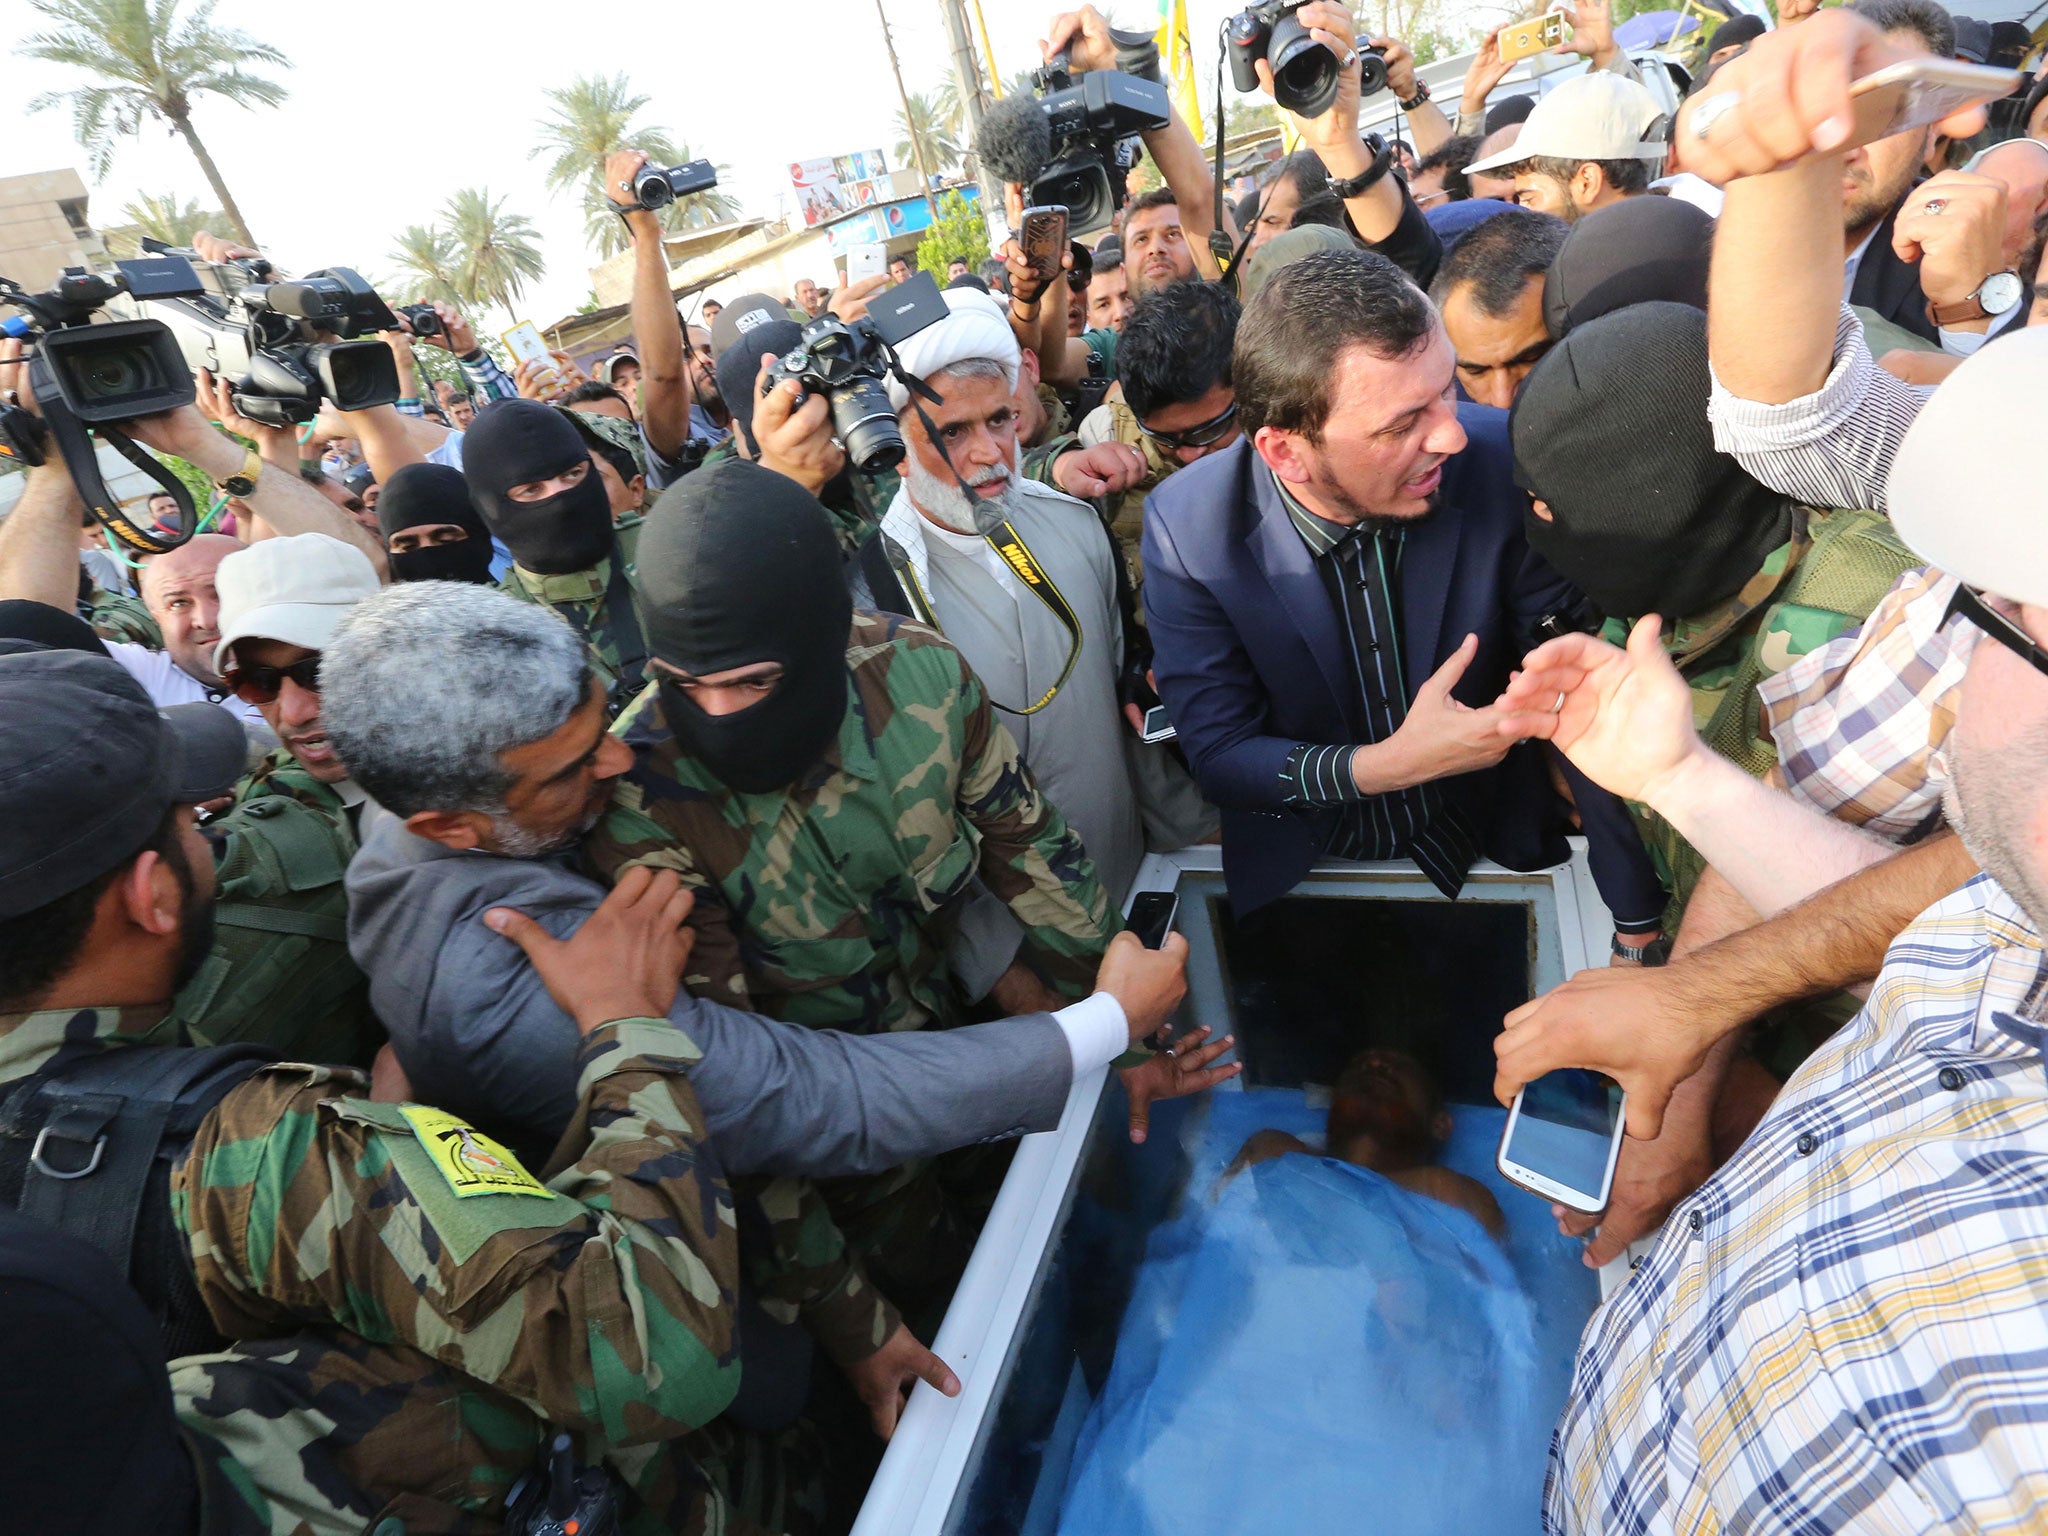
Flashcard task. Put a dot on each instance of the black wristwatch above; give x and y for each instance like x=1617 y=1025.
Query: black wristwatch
x=1421 y=95
x=1656 y=952
x=1382 y=161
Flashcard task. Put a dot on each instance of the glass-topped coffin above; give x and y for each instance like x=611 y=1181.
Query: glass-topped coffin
x=1144 y=1345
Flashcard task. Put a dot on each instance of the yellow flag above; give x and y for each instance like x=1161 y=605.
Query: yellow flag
x=1177 y=59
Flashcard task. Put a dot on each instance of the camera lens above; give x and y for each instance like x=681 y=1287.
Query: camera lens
x=1372 y=72
x=106 y=374
x=1081 y=186
x=865 y=424
x=1305 y=73
x=652 y=189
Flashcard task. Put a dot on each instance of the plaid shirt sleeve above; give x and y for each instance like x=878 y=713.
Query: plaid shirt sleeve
x=1862 y=724
x=1846 y=1328
x=486 y=379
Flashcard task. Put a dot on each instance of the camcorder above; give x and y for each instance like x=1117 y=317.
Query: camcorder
x=847 y=362
x=1094 y=123
x=275 y=340
x=654 y=189
x=1305 y=73
x=87 y=376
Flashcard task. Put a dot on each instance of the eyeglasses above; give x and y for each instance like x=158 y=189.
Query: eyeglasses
x=1973 y=605
x=1199 y=436
x=262 y=685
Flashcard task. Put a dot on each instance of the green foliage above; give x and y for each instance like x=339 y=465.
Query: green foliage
x=593 y=117
x=496 y=253
x=928 y=126
x=427 y=264
x=958 y=234
x=1249 y=115
x=160 y=218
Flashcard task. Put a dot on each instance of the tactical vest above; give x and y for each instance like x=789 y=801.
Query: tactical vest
x=279 y=974
x=87 y=1145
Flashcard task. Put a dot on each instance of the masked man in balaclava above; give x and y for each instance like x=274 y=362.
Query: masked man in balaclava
x=832 y=784
x=532 y=479
x=1635 y=505
x=432 y=531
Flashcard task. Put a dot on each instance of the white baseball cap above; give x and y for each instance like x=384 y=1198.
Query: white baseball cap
x=1594 y=116
x=1965 y=493
x=297 y=590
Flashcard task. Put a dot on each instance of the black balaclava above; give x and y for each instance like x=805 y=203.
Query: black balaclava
x=1611 y=431
x=1632 y=252
x=421 y=495
x=22 y=618
x=516 y=442
x=738 y=565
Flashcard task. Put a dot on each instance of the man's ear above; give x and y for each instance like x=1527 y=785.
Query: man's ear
x=1027 y=366
x=460 y=830
x=148 y=895
x=637 y=488
x=1285 y=454
x=1588 y=183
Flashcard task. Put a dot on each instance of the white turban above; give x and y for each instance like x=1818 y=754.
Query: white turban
x=977 y=327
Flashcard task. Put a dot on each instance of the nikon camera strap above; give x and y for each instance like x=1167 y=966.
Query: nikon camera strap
x=1016 y=554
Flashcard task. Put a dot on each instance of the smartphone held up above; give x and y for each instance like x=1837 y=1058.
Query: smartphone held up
x=1562 y=1137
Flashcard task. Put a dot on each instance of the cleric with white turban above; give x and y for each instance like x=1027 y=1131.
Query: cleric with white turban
x=977 y=328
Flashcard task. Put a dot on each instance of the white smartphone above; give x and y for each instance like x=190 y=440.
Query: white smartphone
x=1157 y=727
x=1921 y=91
x=865 y=261
x=1562 y=1138
x=524 y=342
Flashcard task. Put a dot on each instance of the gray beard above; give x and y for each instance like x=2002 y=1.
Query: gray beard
x=1992 y=804
x=512 y=841
x=950 y=507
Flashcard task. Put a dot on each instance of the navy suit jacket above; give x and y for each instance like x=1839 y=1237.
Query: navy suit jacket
x=1890 y=286
x=1250 y=660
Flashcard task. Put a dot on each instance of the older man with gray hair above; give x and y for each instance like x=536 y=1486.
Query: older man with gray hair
x=1022 y=579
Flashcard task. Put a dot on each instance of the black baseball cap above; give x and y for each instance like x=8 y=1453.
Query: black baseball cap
x=89 y=766
x=745 y=313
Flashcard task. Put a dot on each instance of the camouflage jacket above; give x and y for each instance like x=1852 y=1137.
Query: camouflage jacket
x=618 y=653
x=599 y=1294
x=1824 y=581
x=1126 y=514
x=279 y=973
x=117 y=616
x=837 y=897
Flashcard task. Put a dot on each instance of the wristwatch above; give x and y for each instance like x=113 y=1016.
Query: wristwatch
x=1994 y=296
x=1656 y=952
x=1355 y=186
x=1421 y=95
x=243 y=480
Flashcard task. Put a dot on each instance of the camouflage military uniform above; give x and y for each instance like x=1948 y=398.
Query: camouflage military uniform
x=1837 y=566
x=117 y=616
x=600 y=1301
x=586 y=600
x=279 y=973
x=1125 y=514
x=835 y=899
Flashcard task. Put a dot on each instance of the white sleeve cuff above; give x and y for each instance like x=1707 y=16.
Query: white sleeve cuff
x=1097 y=1031
x=1962 y=343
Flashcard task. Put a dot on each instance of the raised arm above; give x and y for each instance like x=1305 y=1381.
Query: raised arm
x=665 y=396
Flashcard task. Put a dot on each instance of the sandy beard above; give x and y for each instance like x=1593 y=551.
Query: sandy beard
x=949 y=506
x=1991 y=801
x=512 y=841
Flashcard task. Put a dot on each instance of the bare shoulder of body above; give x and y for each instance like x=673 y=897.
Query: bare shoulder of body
x=1458 y=1189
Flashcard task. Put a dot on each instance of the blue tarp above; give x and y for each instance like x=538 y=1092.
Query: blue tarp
x=1316 y=1350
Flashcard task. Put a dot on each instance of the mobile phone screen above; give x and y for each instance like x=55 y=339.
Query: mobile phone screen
x=1157 y=727
x=1151 y=918
x=1566 y=1128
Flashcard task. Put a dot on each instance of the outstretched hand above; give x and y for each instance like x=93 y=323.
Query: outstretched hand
x=625 y=962
x=1179 y=1070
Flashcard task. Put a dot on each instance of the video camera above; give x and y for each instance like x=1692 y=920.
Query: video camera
x=1305 y=73
x=267 y=337
x=85 y=376
x=1094 y=126
x=655 y=188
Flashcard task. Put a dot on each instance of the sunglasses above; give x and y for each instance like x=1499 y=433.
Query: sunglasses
x=262 y=685
x=1973 y=606
x=1199 y=436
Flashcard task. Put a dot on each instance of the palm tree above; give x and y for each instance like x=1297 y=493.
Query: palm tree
x=159 y=218
x=150 y=63
x=926 y=125
x=496 y=254
x=593 y=116
x=427 y=263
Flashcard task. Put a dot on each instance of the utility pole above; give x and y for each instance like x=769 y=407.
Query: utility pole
x=924 y=171
x=974 y=98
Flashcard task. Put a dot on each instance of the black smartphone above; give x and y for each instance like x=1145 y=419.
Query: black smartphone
x=1152 y=914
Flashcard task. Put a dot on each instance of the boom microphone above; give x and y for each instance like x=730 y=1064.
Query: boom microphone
x=1015 y=139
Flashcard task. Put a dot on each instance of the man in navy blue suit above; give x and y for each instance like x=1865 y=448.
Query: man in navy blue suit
x=1337 y=600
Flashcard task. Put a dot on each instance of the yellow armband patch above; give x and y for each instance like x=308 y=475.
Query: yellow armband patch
x=470 y=1161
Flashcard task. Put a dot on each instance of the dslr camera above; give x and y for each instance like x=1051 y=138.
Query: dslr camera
x=847 y=364
x=1305 y=73
x=87 y=375
x=273 y=341
x=1094 y=126
x=654 y=188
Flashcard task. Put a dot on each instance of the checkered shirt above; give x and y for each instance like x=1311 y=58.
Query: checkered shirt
x=1846 y=1328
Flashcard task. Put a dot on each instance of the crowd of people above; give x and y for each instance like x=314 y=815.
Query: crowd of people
x=549 y=918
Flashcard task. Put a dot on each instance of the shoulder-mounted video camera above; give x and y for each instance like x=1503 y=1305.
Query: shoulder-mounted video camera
x=1095 y=121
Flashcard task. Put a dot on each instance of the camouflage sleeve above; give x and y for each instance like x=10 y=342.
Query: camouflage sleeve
x=601 y=1299
x=1037 y=462
x=1030 y=859
x=627 y=835
x=799 y=1267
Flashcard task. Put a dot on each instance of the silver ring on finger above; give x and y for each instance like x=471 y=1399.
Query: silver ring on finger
x=1558 y=707
x=1350 y=58
x=1712 y=110
x=1167 y=1050
x=1934 y=205
x=625 y=186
